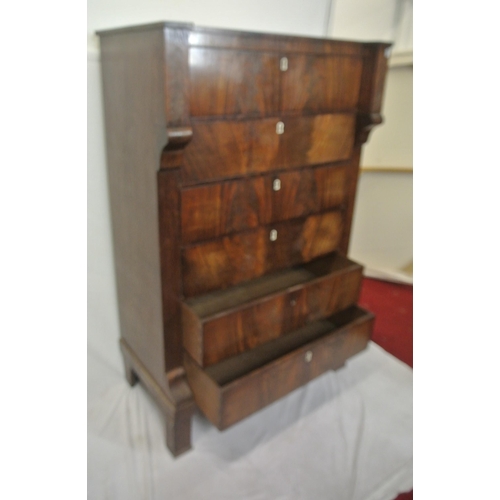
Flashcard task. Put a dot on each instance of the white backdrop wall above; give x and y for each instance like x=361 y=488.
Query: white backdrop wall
x=300 y=17
x=391 y=144
x=382 y=231
x=382 y=235
x=364 y=19
x=387 y=20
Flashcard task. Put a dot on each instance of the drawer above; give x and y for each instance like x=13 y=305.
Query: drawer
x=239 y=386
x=243 y=256
x=223 y=149
x=233 y=82
x=213 y=210
x=327 y=83
x=223 y=324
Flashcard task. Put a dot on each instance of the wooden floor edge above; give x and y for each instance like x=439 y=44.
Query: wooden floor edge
x=387 y=170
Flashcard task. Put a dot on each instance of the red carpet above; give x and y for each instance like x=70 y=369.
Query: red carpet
x=392 y=305
x=405 y=496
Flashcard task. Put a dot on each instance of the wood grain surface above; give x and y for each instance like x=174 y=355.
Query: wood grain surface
x=223 y=324
x=235 y=388
x=232 y=259
x=222 y=149
x=229 y=82
x=327 y=83
x=213 y=210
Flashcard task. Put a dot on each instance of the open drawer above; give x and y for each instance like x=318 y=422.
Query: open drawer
x=241 y=385
x=226 y=323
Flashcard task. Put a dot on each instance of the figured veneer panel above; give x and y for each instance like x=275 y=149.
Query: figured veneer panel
x=218 y=149
x=229 y=82
x=213 y=210
x=328 y=83
x=223 y=149
x=266 y=145
x=223 y=324
x=330 y=136
x=243 y=256
x=332 y=186
x=297 y=195
x=306 y=140
x=261 y=376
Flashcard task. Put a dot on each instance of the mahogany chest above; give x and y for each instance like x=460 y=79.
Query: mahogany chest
x=233 y=161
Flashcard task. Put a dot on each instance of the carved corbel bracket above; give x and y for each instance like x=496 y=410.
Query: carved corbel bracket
x=364 y=124
x=177 y=139
x=177 y=383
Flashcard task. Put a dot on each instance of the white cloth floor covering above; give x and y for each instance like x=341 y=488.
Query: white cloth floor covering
x=345 y=436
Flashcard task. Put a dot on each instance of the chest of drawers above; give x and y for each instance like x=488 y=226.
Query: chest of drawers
x=232 y=166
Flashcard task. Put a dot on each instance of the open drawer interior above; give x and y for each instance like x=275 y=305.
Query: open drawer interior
x=220 y=301
x=226 y=323
x=238 y=386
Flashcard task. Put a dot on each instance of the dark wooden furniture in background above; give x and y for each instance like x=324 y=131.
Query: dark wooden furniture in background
x=233 y=161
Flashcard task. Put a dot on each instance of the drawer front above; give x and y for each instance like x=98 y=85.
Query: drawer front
x=327 y=83
x=237 y=320
x=238 y=82
x=232 y=259
x=312 y=140
x=225 y=149
x=241 y=385
x=230 y=82
x=213 y=210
